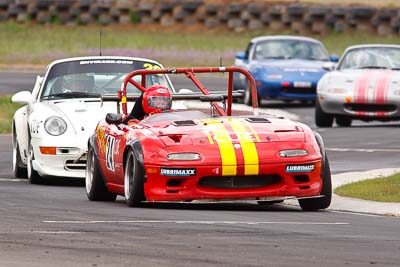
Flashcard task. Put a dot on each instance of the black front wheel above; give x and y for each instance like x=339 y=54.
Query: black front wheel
x=33 y=175
x=343 y=121
x=19 y=168
x=247 y=96
x=322 y=202
x=96 y=189
x=133 y=181
x=322 y=119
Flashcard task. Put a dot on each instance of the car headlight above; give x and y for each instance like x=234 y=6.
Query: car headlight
x=55 y=125
x=337 y=90
x=397 y=92
x=274 y=76
x=183 y=156
x=293 y=153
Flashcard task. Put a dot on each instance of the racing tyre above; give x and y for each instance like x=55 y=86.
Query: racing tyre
x=236 y=88
x=322 y=119
x=247 y=96
x=247 y=99
x=19 y=168
x=312 y=204
x=133 y=181
x=96 y=189
x=33 y=176
x=343 y=121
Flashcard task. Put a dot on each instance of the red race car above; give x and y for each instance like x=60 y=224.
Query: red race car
x=211 y=154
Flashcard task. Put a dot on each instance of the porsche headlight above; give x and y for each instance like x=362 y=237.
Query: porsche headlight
x=183 y=156
x=55 y=126
x=293 y=153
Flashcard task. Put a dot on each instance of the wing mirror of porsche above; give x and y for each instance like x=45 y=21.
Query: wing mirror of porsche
x=112 y=118
x=23 y=97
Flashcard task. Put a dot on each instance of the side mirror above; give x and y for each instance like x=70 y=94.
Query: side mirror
x=23 y=97
x=112 y=118
x=241 y=55
x=329 y=66
x=334 y=58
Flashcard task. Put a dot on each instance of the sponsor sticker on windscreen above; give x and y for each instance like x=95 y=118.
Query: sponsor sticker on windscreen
x=300 y=168
x=178 y=171
x=106 y=61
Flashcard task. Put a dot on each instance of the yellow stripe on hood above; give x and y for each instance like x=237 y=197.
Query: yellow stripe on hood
x=225 y=145
x=249 y=150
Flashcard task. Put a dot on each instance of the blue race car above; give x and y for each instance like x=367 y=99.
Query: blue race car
x=284 y=67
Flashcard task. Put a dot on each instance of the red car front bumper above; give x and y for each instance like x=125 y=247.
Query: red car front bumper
x=274 y=180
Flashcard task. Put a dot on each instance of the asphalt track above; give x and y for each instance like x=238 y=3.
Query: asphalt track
x=55 y=224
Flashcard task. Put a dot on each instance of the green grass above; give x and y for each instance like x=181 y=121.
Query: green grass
x=7 y=110
x=386 y=189
x=174 y=46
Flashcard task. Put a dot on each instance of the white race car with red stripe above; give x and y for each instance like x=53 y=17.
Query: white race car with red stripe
x=365 y=86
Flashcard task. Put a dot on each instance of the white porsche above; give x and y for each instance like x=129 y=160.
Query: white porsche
x=50 y=133
x=364 y=86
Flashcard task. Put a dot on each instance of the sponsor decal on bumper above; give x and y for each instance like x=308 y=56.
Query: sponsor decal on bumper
x=300 y=168
x=178 y=171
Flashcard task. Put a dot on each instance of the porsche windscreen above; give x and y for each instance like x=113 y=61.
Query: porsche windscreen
x=372 y=58
x=289 y=49
x=92 y=78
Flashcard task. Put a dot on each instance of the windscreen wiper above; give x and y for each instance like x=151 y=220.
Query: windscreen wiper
x=373 y=67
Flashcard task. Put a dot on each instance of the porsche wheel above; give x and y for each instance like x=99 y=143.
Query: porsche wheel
x=343 y=121
x=18 y=166
x=322 y=119
x=133 y=181
x=96 y=189
x=33 y=176
x=312 y=204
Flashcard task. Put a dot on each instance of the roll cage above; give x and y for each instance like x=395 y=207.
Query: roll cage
x=204 y=95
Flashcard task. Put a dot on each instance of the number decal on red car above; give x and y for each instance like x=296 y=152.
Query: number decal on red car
x=110 y=152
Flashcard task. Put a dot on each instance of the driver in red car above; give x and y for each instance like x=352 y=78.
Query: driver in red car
x=156 y=99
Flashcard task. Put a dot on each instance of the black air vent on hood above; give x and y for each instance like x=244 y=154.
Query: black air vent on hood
x=257 y=120
x=184 y=123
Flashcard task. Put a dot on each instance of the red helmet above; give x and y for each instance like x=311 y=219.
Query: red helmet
x=156 y=99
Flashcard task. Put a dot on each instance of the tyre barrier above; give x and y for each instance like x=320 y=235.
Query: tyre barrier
x=234 y=15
